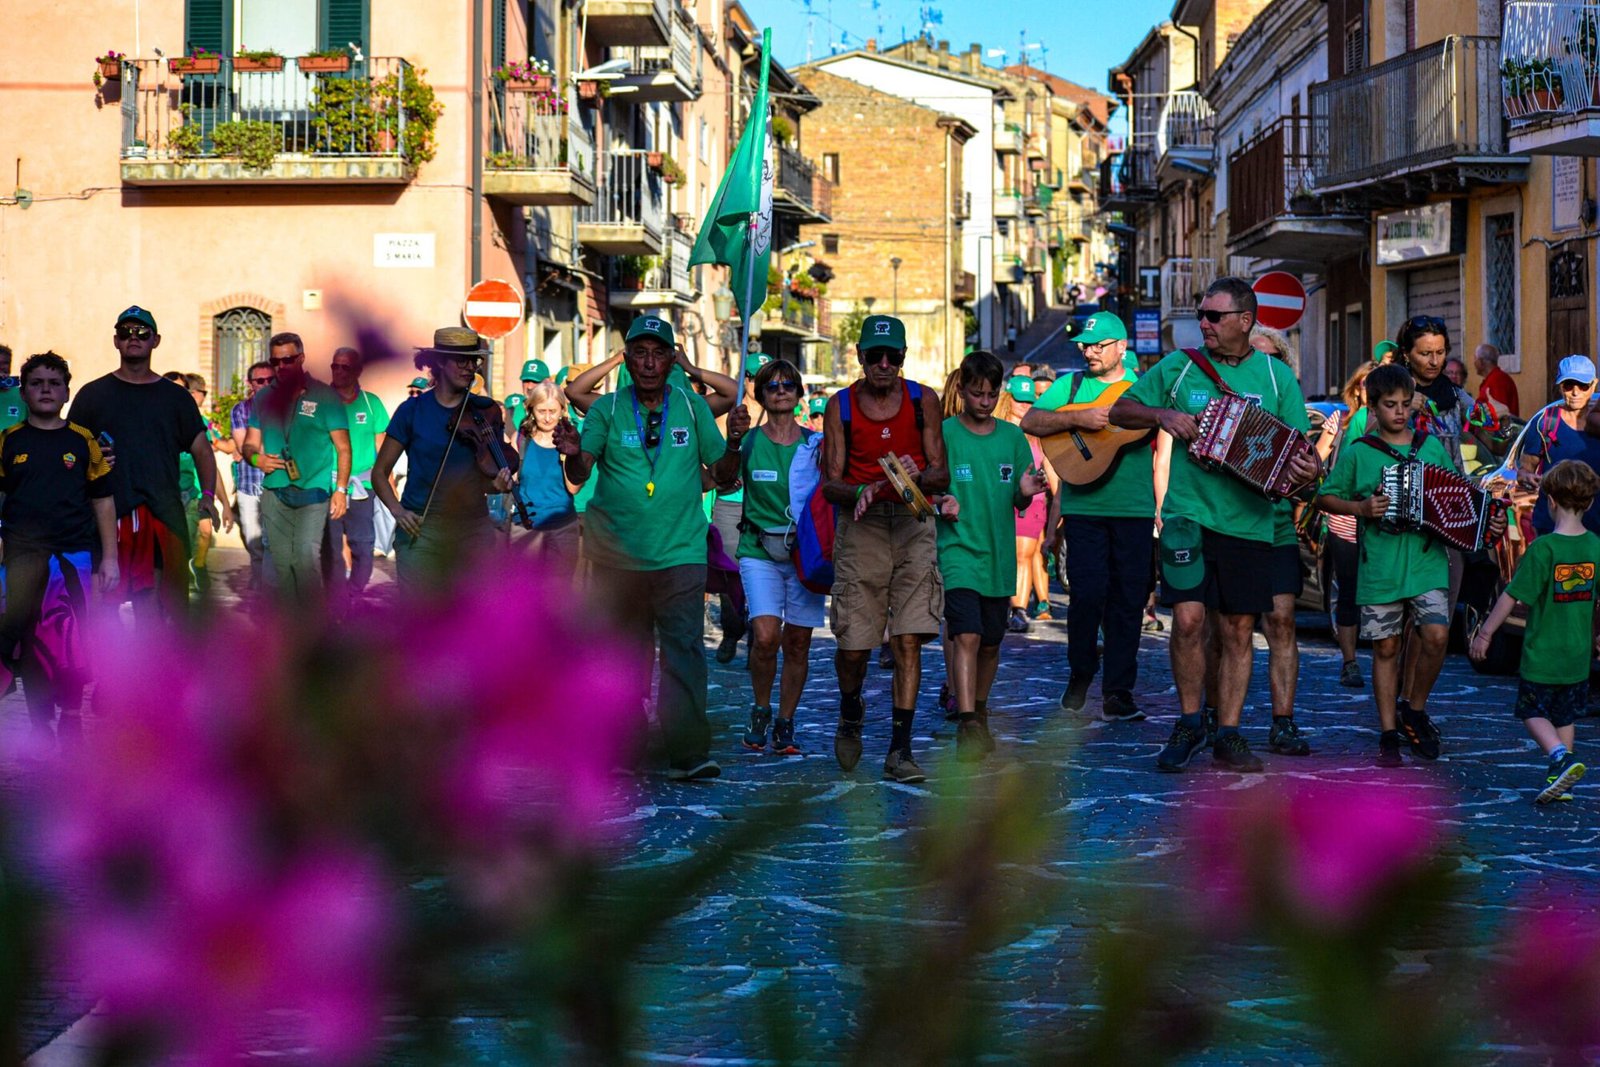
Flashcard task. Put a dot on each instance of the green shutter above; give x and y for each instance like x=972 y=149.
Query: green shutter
x=341 y=22
x=206 y=25
x=497 y=38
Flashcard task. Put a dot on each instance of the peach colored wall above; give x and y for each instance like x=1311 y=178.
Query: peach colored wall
x=88 y=246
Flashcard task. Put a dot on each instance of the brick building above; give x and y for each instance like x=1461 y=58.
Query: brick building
x=898 y=193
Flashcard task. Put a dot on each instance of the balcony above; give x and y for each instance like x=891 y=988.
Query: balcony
x=539 y=153
x=1008 y=139
x=1550 y=77
x=1007 y=268
x=1033 y=146
x=1128 y=180
x=1038 y=260
x=618 y=23
x=1183 y=284
x=795 y=316
x=1272 y=213
x=1008 y=205
x=629 y=215
x=1039 y=203
x=963 y=287
x=961 y=204
x=657 y=73
x=1183 y=136
x=1082 y=181
x=266 y=127
x=1428 y=121
x=666 y=281
x=799 y=190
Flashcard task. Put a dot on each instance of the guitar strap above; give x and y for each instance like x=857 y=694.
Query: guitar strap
x=1077 y=383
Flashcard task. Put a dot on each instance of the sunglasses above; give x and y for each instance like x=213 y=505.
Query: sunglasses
x=895 y=357
x=782 y=387
x=652 y=429
x=260 y=381
x=1426 y=323
x=1214 y=316
x=1580 y=386
x=284 y=361
x=135 y=333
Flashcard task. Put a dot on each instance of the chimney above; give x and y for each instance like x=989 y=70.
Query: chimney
x=944 y=47
x=972 y=62
x=872 y=44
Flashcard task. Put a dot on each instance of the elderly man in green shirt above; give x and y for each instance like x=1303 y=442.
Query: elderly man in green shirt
x=645 y=529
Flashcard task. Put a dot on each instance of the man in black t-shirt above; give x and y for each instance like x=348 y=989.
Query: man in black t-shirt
x=150 y=421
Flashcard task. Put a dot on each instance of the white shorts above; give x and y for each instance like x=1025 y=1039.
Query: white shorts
x=774 y=589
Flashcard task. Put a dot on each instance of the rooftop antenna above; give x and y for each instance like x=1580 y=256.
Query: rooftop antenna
x=1022 y=56
x=1001 y=52
x=811 y=22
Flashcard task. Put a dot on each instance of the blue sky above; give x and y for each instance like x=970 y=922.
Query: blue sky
x=1080 y=38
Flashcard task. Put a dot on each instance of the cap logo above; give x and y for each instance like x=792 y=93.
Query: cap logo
x=1182 y=555
x=881 y=327
x=652 y=324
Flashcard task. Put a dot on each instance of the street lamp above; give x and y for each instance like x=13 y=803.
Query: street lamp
x=894 y=264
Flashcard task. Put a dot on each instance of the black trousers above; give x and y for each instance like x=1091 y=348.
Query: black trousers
x=1108 y=568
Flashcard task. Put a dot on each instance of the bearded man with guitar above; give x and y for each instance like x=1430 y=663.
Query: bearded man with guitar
x=1106 y=508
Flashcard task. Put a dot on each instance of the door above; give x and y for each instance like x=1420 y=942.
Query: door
x=1436 y=291
x=1567 y=328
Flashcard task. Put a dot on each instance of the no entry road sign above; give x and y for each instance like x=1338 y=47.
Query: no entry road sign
x=1280 y=299
x=494 y=308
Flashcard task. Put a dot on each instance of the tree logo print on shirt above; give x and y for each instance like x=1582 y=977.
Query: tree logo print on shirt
x=680 y=436
x=1006 y=471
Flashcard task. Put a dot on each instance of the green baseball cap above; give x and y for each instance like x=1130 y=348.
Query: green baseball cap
x=562 y=375
x=1022 y=389
x=1130 y=360
x=1382 y=349
x=138 y=314
x=515 y=400
x=882 y=331
x=535 y=371
x=817 y=405
x=754 y=362
x=1183 y=565
x=420 y=383
x=652 y=326
x=1101 y=326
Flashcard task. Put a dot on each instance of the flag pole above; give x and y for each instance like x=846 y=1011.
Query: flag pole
x=744 y=324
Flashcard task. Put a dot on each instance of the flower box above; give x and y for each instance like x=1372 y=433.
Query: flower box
x=529 y=85
x=245 y=65
x=323 y=64
x=195 y=64
x=589 y=90
x=111 y=69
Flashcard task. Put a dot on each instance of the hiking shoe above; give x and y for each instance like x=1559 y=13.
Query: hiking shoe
x=902 y=768
x=847 y=738
x=1563 y=775
x=1181 y=747
x=1040 y=610
x=783 y=738
x=969 y=740
x=886 y=657
x=1209 y=713
x=1350 y=676
x=1285 y=738
x=1389 y=748
x=1017 y=622
x=947 y=703
x=1119 y=707
x=1233 y=753
x=755 y=738
x=1075 y=695
x=698 y=771
x=1420 y=733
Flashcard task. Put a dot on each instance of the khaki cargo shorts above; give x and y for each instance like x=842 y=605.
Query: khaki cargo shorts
x=885 y=573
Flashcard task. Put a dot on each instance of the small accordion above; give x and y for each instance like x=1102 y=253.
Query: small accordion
x=1437 y=501
x=1237 y=436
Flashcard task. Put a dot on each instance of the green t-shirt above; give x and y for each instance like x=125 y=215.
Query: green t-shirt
x=12 y=408
x=1129 y=491
x=1394 y=566
x=317 y=413
x=765 y=470
x=1283 y=524
x=1357 y=425
x=367 y=418
x=1556 y=579
x=626 y=526
x=978 y=551
x=1216 y=499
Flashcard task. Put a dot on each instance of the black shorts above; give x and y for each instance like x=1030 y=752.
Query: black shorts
x=1286 y=576
x=1563 y=705
x=968 y=612
x=1236 y=581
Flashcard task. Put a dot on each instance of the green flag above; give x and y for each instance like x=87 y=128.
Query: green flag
x=737 y=230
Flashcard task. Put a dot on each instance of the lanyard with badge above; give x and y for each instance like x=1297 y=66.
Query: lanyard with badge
x=644 y=443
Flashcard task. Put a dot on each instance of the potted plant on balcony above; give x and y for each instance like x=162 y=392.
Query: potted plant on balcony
x=670 y=171
x=188 y=139
x=631 y=271
x=782 y=129
x=139 y=149
x=254 y=142
x=592 y=91
x=108 y=68
x=1302 y=201
x=198 y=61
x=257 y=60
x=406 y=90
x=534 y=76
x=324 y=61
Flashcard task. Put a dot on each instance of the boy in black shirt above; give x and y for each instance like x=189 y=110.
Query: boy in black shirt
x=57 y=518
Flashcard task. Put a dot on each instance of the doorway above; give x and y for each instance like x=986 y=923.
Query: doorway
x=1567 y=327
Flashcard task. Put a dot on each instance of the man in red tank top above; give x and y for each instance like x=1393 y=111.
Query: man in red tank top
x=886 y=563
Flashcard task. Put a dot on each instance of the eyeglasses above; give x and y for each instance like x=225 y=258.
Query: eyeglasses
x=895 y=356
x=1427 y=323
x=260 y=381
x=782 y=387
x=1213 y=316
x=465 y=360
x=285 y=361
x=652 y=429
x=134 y=333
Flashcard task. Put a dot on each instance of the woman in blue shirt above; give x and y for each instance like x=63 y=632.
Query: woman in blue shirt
x=543 y=487
x=1557 y=433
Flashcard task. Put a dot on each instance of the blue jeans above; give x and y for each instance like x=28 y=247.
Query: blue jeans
x=1108 y=568
x=357 y=528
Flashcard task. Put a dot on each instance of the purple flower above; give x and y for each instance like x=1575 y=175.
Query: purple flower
x=1550 y=979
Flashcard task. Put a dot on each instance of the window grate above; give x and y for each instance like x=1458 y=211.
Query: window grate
x=1500 y=280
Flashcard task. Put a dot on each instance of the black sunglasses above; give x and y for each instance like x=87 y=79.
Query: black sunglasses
x=895 y=356
x=782 y=387
x=135 y=333
x=652 y=429
x=260 y=381
x=284 y=361
x=1214 y=316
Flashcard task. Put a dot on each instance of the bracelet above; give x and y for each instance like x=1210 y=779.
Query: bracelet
x=255 y=460
x=208 y=494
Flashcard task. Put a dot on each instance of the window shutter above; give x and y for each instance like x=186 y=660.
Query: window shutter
x=342 y=22
x=206 y=24
x=497 y=39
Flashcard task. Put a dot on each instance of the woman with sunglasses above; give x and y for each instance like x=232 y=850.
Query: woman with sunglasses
x=783 y=613
x=1558 y=433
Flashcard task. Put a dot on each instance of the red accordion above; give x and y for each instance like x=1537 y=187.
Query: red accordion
x=1437 y=501
x=1237 y=436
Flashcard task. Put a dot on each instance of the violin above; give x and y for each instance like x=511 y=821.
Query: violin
x=486 y=436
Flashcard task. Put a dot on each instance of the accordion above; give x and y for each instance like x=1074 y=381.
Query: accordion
x=1237 y=436
x=1437 y=501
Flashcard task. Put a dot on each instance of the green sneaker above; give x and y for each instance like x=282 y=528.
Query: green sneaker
x=1562 y=776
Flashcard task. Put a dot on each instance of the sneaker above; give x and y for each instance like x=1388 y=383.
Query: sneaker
x=886 y=657
x=755 y=738
x=783 y=738
x=902 y=768
x=1017 y=623
x=969 y=741
x=1076 y=694
x=947 y=703
x=698 y=771
x=1209 y=713
x=1233 y=753
x=1350 y=676
x=1181 y=747
x=729 y=646
x=847 y=738
x=1419 y=732
x=1389 y=748
x=1285 y=738
x=1040 y=610
x=1119 y=707
x=1152 y=624
x=1563 y=775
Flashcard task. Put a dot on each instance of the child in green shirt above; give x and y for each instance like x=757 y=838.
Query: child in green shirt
x=1556 y=580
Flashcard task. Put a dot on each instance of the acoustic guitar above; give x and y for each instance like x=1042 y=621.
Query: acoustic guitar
x=1084 y=457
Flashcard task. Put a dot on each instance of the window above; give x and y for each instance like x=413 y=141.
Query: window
x=705 y=141
x=239 y=336
x=830 y=166
x=830 y=244
x=1500 y=280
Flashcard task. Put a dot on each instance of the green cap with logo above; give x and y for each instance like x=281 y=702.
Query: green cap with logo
x=882 y=331
x=652 y=326
x=754 y=362
x=1022 y=389
x=1183 y=565
x=535 y=371
x=817 y=405
x=562 y=375
x=1101 y=326
x=420 y=383
x=515 y=400
x=140 y=315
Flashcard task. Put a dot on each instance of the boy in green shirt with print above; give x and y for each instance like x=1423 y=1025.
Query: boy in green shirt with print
x=991 y=478
x=1556 y=580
